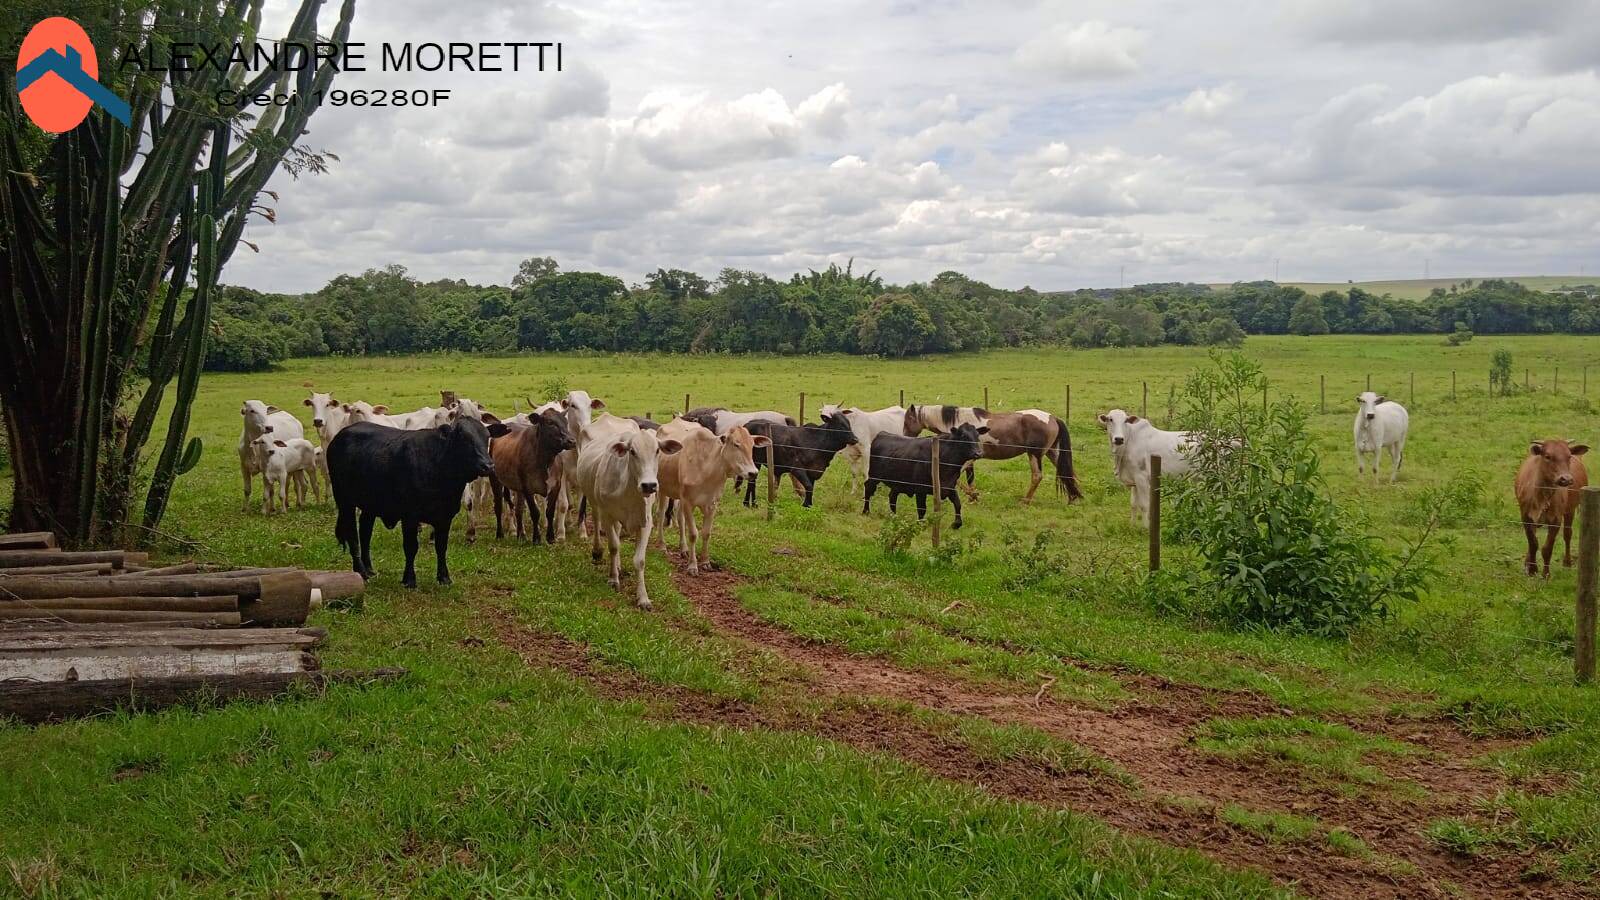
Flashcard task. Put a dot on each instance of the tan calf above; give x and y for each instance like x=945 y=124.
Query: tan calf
x=695 y=477
x=1548 y=486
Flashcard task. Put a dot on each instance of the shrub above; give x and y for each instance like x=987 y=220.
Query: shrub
x=896 y=534
x=1272 y=547
x=240 y=345
x=1500 y=372
x=1032 y=563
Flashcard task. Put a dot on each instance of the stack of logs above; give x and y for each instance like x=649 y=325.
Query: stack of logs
x=83 y=631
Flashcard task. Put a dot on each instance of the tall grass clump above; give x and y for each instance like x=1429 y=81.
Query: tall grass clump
x=1272 y=547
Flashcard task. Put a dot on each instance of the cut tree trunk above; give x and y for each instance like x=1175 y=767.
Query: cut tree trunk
x=265 y=600
x=74 y=569
x=12 y=558
x=169 y=604
x=28 y=540
x=49 y=701
x=44 y=618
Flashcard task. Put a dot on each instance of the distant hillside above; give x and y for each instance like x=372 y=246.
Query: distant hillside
x=1418 y=288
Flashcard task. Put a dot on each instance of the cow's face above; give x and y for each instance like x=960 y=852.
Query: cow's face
x=643 y=451
x=1556 y=460
x=461 y=407
x=1120 y=426
x=738 y=452
x=362 y=411
x=963 y=443
x=255 y=415
x=323 y=408
x=554 y=435
x=1369 y=405
x=581 y=407
x=467 y=443
x=268 y=450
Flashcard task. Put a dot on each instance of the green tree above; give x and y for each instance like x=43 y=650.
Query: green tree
x=1307 y=317
x=895 y=325
x=534 y=269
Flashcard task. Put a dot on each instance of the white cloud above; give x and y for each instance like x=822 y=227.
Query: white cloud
x=1208 y=103
x=1090 y=49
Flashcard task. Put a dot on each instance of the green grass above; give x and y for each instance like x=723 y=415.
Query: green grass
x=1324 y=751
x=477 y=774
x=1274 y=826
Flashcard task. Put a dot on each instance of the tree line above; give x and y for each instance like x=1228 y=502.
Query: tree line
x=832 y=311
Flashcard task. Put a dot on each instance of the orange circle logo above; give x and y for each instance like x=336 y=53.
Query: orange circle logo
x=49 y=99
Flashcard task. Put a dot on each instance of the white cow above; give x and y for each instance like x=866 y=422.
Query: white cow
x=1133 y=441
x=617 y=474
x=865 y=425
x=477 y=494
x=328 y=418
x=416 y=420
x=579 y=408
x=283 y=463
x=1381 y=424
x=259 y=419
x=695 y=477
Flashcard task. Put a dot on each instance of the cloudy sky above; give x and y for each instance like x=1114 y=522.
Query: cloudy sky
x=1054 y=144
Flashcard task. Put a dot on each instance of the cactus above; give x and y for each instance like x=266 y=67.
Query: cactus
x=106 y=226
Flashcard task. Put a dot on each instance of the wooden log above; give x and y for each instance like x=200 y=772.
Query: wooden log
x=337 y=585
x=16 y=612
x=12 y=558
x=28 y=540
x=74 y=569
x=284 y=600
x=274 y=600
x=169 y=604
x=183 y=568
x=34 y=702
x=64 y=652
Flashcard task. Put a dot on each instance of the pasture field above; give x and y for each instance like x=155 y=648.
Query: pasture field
x=816 y=717
x=1419 y=288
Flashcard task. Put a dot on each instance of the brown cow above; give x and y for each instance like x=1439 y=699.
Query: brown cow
x=694 y=478
x=1549 y=484
x=526 y=465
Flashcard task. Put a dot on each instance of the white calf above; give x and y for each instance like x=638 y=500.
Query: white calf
x=259 y=419
x=618 y=469
x=282 y=463
x=1133 y=441
x=1380 y=423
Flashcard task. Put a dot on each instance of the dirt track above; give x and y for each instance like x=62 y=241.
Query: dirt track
x=1179 y=790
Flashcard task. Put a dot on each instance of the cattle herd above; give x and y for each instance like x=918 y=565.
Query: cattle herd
x=627 y=472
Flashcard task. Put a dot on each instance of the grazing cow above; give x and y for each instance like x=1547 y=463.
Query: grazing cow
x=527 y=465
x=410 y=477
x=801 y=451
x=694 y=477
x=1381 y=424
x=905 y=466
x=284 y=463
x=618 y=466
x=1549 y=484
x=1133 y=441
x=259 y=419
x=865 y=425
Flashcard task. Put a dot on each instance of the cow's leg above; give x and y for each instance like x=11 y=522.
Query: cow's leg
x=499 y=508
x=244 y=469
x=594 y=541
x=1398 y=451
x=583 y=515
x=894 y=496
x=798 y=483
x=367 y=520
x=750 y=491
x=1549 y=546
x=804 y=478
x=559 y=499
x=955 y=501
x=613 y=544
x=1035 y=463
x=708 y=514
x=469 y=501
x=868 y=487
x=640 y=547
x=1531 y=530
x=441 y=552
x=1566 y=537
x=550 y=511
x=687 y=512
x=408 y=533
x=922 y=506
x=1361 y=461
x=533 y=516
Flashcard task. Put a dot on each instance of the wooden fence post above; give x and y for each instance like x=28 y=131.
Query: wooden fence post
x=938 y=491
x=902 y=398
x=1172 y=397
x=1144 y=402
x=1155 y=513
x=1069 y=404
x=1413 y=400
x=986 y=396
x=686 y=404
x=1323 y=383
x=802 y=407
x=1263 y=398
x=1452 y=385
x=1555 y=383
x=1527 y=380
x=772 y=483
x=1369 y=381
x=1588 y=561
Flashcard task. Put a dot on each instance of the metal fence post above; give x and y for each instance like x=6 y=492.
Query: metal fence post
x=1155 y=514
x=1588 y=561
x=938 y=491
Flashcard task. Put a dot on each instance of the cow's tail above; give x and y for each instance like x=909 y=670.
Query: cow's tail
x=1061 y=453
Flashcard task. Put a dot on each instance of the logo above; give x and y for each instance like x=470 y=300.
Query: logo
x=57 y=77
